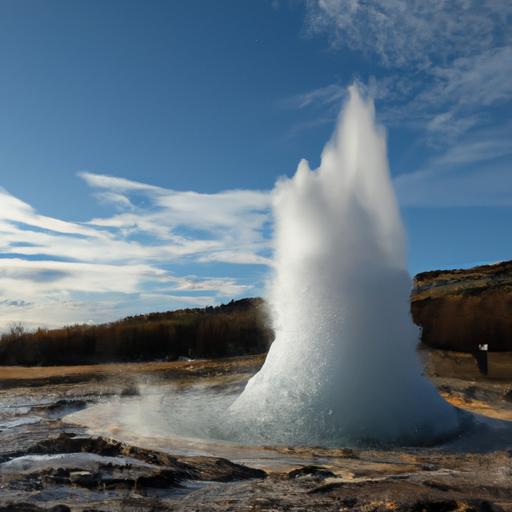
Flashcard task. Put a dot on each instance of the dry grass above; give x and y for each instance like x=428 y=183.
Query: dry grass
x=156 y=368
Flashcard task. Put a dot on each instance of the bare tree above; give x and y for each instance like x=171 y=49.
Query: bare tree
x=16 y=330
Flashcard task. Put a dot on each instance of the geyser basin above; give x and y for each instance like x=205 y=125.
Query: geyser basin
x=343 y=367
x=192 y=420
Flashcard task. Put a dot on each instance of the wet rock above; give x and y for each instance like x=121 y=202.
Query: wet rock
x=221 y=470
x=28 y=507
x=453 y=505
x=470 y=393
x=327 y=488
x=439 y=486
x=85 y=478
x=99 y=474
x=316 y=472
x=62 y=407
x=130 y=391
x=117 y=478
x=433 y=506
x=101 y=464
x=348 y=503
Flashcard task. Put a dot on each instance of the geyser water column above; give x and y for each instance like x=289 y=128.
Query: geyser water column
x=343 y=366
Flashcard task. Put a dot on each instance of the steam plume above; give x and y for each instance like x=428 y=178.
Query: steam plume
x=343 y=366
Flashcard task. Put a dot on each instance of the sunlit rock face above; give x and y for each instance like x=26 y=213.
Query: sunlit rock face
x=343 y=366
x=461 y=309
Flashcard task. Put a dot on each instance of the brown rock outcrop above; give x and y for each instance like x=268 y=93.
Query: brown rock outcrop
x=460 y=309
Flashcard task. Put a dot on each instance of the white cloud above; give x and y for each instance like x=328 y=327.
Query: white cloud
x=442 y=62
x=448 y=124
x=237 y=257
x=475 y=172
x=330 y=95
x=491 y=186
x=13 y=209
x=50 y=266
x=59 y=311
x=456 y=97
x=444 y=71
x=119 y=200
x=116 y=184
x=411 y=32
x=481 y=79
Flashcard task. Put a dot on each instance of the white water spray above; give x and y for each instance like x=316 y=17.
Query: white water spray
x=343 y=366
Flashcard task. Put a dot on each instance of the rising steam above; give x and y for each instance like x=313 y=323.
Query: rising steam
x=343 y=366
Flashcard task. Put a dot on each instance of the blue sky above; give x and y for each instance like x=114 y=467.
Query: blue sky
x=139 y=140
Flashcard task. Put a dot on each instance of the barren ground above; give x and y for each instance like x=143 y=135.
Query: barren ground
x=51 y=461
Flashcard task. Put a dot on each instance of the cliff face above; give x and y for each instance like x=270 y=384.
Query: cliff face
x=460 y=309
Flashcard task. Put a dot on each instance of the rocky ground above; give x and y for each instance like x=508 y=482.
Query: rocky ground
x=48 y=462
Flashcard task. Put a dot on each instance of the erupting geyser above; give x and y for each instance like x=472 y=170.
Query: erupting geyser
x=343 y=366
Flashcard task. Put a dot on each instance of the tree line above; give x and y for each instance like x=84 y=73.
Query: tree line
x=236 y=328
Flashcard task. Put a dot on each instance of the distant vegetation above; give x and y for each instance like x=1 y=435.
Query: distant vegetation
x=456 y=309
x=232 y=329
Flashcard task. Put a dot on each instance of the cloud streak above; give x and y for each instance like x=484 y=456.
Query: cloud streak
x=440 y=64
x=54 y=272
x=411 y=33
x=475 y=172
x=131 y=261
x=442 y=73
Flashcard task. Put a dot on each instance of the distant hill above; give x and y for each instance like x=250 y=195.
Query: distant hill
x=456 y=310
x=232 y=329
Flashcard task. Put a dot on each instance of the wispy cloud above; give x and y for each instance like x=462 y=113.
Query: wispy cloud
x=225 y=223
x=330 y=95
x=54 y=271
x=442 y=63
x=412 y=32
x=444 y=73
x=475 y=172
x=129 y=261
x=488 y=187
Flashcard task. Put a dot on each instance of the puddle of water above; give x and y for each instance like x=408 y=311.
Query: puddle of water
x=163 y=420
x=82 y=460
x=18 y=422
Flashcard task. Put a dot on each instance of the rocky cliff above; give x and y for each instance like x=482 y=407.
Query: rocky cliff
x=460 y=309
